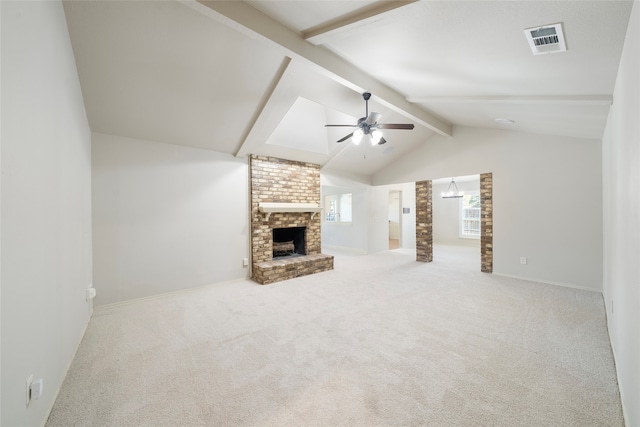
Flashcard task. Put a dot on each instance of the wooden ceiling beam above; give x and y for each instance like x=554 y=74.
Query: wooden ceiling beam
x=520 y=99
x=320 y=34
x=244 y=18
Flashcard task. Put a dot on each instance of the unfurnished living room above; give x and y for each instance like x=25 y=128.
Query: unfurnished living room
x=320 y=213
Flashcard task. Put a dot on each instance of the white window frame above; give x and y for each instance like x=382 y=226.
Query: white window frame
x=476 y=218
x=338 y=208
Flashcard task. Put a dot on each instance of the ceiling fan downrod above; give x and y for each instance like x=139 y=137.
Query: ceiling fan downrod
x=366 y=96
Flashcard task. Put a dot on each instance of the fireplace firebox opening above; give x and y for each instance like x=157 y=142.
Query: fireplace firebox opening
x=289 y=242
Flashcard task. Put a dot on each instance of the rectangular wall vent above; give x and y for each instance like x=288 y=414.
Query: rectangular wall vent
x=546 y=39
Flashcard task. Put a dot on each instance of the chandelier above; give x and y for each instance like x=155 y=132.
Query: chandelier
x=452 y=191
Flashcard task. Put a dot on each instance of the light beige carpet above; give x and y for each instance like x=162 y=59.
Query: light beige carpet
x=381 y=340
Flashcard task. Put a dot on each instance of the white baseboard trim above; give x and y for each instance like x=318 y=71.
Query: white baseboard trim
x=66 y=371
x=615 y=365
x=548 y=282
x=344 y=249
x=170 y=293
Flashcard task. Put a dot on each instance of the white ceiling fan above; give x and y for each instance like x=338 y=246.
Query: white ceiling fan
x=368 y=125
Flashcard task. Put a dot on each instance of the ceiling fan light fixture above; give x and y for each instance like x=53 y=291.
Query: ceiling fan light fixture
x=357 y=136
x=376 y=135
x=368 y=125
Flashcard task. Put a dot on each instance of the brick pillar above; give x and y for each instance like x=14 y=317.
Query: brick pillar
x=486 y=222
x=424 y=222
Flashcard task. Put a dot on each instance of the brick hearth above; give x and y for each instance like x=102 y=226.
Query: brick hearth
x=277 y=270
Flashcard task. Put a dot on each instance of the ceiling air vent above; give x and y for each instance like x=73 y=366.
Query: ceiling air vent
x=546 y=39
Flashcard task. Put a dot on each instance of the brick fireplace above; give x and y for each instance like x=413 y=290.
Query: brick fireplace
x=285 y=195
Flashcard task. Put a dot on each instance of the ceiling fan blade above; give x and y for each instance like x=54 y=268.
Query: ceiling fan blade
x=372 y=118
x=345 y=138
x=396 y=126
x=382 y=141
x=345 y=126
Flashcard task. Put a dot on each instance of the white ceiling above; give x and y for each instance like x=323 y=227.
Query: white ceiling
x=263 y=77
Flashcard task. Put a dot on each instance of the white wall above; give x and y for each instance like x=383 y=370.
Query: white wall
x=46 y=207
x=621 y=187
x=378 y=226
x=165 y=218
x=394 y=214
x=351 y=237
x=379 y=237
x=560 y=232
x=408 y=220
x=446 y=215
x=369 y=230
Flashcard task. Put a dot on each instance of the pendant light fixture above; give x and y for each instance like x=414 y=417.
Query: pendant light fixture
x=452 y=191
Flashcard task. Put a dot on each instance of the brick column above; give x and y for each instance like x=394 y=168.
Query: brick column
x=486 y=222
x=424 y=222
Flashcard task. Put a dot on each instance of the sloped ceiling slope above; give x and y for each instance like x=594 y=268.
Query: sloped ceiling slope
x=163 y=72
x=264 y=77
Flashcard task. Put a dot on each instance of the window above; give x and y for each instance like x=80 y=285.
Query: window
x=337 y=208
x=470 y=216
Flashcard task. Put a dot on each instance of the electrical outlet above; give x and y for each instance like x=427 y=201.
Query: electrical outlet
x=28 y=389
x=523 y=260
x=36 y=389
x=245 y=261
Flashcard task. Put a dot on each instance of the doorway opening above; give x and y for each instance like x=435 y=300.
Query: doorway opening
x=395 y=219
x=454 y=221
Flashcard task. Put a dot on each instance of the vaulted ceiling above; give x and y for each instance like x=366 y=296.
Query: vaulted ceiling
x=264 y=77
